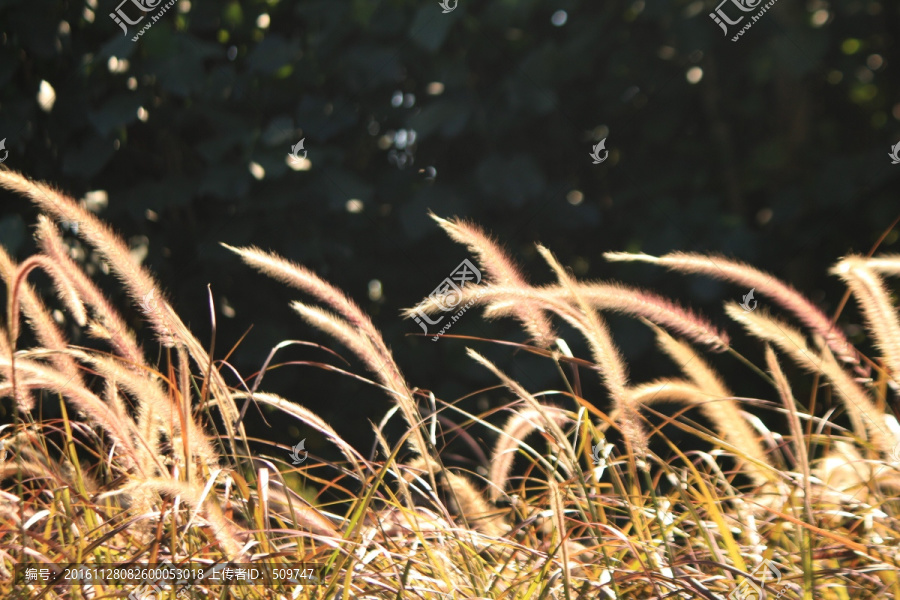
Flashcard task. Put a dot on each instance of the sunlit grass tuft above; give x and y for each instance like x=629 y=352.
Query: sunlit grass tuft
x=576 y=494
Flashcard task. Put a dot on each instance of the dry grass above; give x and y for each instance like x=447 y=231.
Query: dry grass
x=602 y=504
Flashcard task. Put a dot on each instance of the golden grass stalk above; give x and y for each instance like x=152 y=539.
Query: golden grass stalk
x=766 y=284
x=46 y=330
x=137 y=281
x=315 y=421
x=157 y=409
x=140 y=285
x=225 y=532
x=656 y=309
x=344 y=332
x=500 y=269
x=517 y=428
x=531 y=402
x=888 y=264
x=558 y=523
x=790 y=405
x=504 y=301
x=864 y=415
x=64 y=289
x=111 y=325
x=352 y=328
x=719 y=407
x=464 y=499
x=722 y=411
x=46 y=377
x=23 y=397
x=606 y=356
x=21 y=294
x=874 y=299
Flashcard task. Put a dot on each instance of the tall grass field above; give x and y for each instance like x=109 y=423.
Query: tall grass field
x=148 y=486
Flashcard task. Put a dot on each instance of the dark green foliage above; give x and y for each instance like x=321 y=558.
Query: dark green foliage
x=777 y=156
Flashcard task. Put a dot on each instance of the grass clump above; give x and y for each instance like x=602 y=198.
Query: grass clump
x=149 y=462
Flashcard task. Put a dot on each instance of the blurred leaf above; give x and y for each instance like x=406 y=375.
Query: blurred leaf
x=178 y=59
x=445 y=115
x=86 y=160
x=279 y=131
x=174 y=192
x=324 y=119
x=8 y=66
x=272 y=53
x=233 y=14
x=368 y=65
x=516 y=179
x=118 y=111
x=226 y=181
x=430 y=26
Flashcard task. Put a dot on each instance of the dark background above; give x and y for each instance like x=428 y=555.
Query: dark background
x=777 y=155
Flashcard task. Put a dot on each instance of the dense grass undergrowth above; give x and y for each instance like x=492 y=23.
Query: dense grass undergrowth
x=150 y=463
